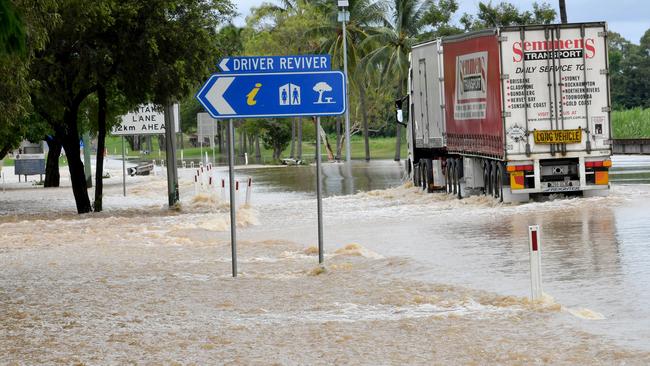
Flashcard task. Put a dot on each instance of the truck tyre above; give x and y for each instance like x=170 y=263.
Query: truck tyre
x=416 y=175
x=486 y=178
x=428 y=174
x=457 y=189
x=498 y=183
x=423 y=174
x=448 y=179
x=453 y=176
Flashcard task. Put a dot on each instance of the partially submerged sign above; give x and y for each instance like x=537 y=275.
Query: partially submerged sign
x=147 y=119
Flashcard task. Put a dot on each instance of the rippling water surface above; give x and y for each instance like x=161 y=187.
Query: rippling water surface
x=410 y=278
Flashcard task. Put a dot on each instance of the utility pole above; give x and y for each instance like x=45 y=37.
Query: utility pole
x=343 y=17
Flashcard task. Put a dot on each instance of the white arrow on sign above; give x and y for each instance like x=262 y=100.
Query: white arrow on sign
x=215 y=95
x=224 y=64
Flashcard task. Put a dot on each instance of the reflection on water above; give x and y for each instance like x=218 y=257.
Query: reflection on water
x=338 y=178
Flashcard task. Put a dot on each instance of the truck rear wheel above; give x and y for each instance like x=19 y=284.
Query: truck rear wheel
x=427 y=174
x=486 y=179
x=416 y=174
x=498 y=183
x=457 y=188
x=448 y=179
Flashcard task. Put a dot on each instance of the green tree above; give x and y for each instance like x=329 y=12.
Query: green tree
x=391 y=45
x=12 y=32
x=143 y=50
x=276 y=136
x=364 y=16
x=504 y=14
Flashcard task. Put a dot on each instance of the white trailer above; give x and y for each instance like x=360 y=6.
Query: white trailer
x=512 y=111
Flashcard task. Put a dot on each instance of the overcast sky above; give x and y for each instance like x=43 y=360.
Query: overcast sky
x=627 y=17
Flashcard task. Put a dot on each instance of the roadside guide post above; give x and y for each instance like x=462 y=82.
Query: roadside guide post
x=535 y=263
x=273 y=87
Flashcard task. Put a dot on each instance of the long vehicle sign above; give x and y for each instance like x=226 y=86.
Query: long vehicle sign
x=558 y=136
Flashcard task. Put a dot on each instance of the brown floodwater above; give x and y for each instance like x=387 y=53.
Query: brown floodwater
x=410 y=278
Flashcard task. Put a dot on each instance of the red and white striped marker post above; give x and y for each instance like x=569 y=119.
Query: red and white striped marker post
x=196 y=185
x=249 y=189
x=535 y=262
x=223 y=189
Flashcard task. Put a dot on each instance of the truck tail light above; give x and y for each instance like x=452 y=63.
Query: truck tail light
x=520 y=168
x=598 y=164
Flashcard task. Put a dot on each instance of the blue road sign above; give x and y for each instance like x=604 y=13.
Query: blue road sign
x=274 y=94
x=257 y=64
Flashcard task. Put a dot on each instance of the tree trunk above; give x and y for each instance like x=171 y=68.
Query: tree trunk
x=398 y=142
x=52 y=176
x=75 y=166
x=563 y=12
x=220 y=135
x=241 y=143
x=293 y=138
x=258 y=151
x=299 y=155
x=101 y=144
x=134 y=142
x=339 y=143
x=251 y=142
x=149 y=143
x=244 y=138
x=161 y=142
x=364 y=116
x=4 y=151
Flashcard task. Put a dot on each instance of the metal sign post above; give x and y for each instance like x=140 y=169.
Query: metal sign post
x=233 y=213
x=319 y=195
x=274 y=87
x=123 y=168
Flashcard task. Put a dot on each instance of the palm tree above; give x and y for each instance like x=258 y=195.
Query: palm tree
x=365 y=15
x=392 y=44
x=563 y=11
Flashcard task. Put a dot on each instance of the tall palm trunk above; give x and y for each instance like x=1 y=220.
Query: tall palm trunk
x=339 y=143
x=364 y=116
x=293 y=138
x=563 y=17
x=398 y=142
x=299 y=156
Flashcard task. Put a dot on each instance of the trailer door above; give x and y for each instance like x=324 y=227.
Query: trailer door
x=555 y=89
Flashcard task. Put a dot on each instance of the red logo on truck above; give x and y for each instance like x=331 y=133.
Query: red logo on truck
x=559 y=48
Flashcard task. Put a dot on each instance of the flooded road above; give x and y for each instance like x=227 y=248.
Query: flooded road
x=594 y=251
x=410 y=278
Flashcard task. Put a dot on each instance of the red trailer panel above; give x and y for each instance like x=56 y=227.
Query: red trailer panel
x=472 y=72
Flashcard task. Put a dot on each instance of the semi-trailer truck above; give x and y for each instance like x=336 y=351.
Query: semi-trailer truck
x=511 y=112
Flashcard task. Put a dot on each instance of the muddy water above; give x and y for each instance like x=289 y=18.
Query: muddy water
x=595 y=254
x=404 y=282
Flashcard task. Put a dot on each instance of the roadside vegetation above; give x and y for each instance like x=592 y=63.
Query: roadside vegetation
x=631 y=124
